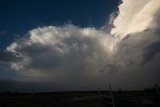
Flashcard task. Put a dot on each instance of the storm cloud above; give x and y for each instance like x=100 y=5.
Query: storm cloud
x=86 y=58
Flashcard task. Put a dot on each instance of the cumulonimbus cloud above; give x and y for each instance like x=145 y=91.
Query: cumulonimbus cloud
x=135 y=16
x=69 y=54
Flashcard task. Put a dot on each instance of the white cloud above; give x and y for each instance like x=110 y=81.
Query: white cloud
x=134 y=16
x=51 y=49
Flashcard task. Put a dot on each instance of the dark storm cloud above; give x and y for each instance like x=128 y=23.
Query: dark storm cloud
x=30 y=86
x=151 y=51
x=9 y=57
x=4 y=66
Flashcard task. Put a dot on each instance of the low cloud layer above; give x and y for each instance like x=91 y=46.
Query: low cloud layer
x=85 y=58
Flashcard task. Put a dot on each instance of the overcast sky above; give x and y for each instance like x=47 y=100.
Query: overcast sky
x=59 y=45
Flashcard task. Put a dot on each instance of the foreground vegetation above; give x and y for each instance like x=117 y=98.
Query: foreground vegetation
x=146 y=98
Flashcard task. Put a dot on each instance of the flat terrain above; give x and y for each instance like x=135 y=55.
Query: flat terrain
x=80 y=99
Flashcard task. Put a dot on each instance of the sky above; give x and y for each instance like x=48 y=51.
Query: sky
x=59 y=45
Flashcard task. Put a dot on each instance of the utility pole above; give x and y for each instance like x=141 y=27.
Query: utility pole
x=31 y=98
x=99 y=91
x=157 y=89
x=110 y=89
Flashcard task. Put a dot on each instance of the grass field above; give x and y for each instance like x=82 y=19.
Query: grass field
x=80 y=99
